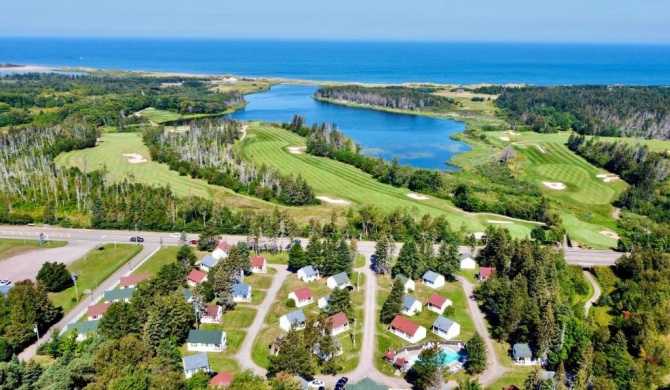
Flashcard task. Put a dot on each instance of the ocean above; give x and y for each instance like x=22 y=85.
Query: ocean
x=371 y=62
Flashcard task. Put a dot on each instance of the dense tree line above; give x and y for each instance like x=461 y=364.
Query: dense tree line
x=48 y=99
x=395 y=97
x=206 y=152
x=596 y=110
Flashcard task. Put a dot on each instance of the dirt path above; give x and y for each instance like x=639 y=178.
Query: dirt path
x=494 y=370
x=596 y=292
x=243 y=130
x=246 y=349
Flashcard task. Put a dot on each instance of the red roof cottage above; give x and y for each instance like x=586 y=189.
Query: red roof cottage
x=258 y=265
x=133 y=280
x=407 y=330
x=196 y=277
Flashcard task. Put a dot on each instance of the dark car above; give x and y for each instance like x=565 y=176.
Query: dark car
x=136 y=239
x=340 y=383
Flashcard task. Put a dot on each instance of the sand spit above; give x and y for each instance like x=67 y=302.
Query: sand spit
x=417 y=196
x=135 y=158
x=332 y=201
x=554 y=185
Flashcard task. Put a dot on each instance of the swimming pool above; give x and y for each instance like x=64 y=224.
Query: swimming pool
x=448 y=356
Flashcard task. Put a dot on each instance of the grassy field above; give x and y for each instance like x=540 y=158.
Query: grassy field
x=279 y=308
x=158 y=116
x=164 y=256
x=425 y=318
x=94 y=268
x=11 y=247
x=268 y=144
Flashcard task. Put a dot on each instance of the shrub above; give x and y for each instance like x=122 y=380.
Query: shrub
x=54 y=277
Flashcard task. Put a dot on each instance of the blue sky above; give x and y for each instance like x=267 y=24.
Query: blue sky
x=443 y=20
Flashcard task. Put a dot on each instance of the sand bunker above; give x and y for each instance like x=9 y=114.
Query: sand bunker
x=512 y=132
x=607 y=177
x=504 y=138
x=135 y=158
x=610 y=234
x=497 y=221
x=479 y=235
x=332 y=201
x=530 y=144
x=296 y=149
x=243 y=130
x=417 y=196
x=554 y=185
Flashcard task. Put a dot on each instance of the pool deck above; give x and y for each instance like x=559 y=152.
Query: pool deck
x=411 y=354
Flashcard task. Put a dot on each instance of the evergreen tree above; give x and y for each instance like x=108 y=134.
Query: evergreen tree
x=328 y=349
x=233 y=263
x=394 y=303
x=208 y=239
x=382 y=259
x=427 y=372
x=199 y=381
x=314 y=253
x=469 y=384
x=340 y=301
x=119 y=320
x=198 y=302
x=448 y=259
x=170 y=317
x=223 y=288
x=477 y=359
x=5 y=350
x=296 y=257
x=344 y=259
x=186 y=258
x=245 y=258
x=247 y=380
x=285 y=381
x=54 y=277
x=169 y=278
x=294 y=357
x=409 y=261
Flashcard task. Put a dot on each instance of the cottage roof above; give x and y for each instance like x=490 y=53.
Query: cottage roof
x=117 y=295
x=409 y=302
x=212 y=310
x=194 y=362
x=326 y=298
x=443 y=324
x=404 y=279
x=257 y=262
x=308 y=271
x=341 y=278
x=222 y=379
x=196 y=276
x=198 y=336
x=98 y=309
x=303 y=293
x=404 y=325
x=296 y=317
x=187 y=294
x=85 y=326
x=485 y=272
x=224 y=246
x=337 y=320
x=241 y=289
x=437 y=300
x=431 y=276
x=523 y=351
x=208 y=261
x=390 y=354
x=465 y=256
x=366 y=384
x=133 y=280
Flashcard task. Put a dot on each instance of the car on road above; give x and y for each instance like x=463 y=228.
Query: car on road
x=136 y=239
x=5 y=282
x=175 y=235
x=315 y=384
x=341 y=383
x=193 y=242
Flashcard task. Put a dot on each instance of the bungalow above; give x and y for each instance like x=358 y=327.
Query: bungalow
x=207 y=263
x=83 y=329
x=123 y=295
x=401 y=364
x=221 y=251
x=340 y=280
x=389 y=356
x=258 y=265
x=323 y=302
x=339 y=323
x=467 y=262
x=438 y=303
x=485 y=273
x=407 y=283
x=411 y=306
x=308 y=274
x=407 y=330
x=188 y=295
x=95 y=312
x=302 y=297
x=295 y=320
x=211 y=315
x=221 y=380
x=366 y=384
x=206 y=340
x=445 y=328
x=327 y=356
x=133 y=280
x=241 y=292
x=195 y=363
x=433 y=279
x=522 y=355
x=196 y=277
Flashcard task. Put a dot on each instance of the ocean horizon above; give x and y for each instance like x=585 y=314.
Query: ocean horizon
x=357 y=61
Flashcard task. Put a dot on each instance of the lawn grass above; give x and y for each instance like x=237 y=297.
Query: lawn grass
x=166 y=255
x=94 y=268
x=268 y=144
x=10 y=247
x=158 y=116
x=516 y=376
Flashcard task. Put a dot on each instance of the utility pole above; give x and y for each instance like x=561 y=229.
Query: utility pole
x=358 y=282
x=354 y=332
x=37 y=332
x=74 y=278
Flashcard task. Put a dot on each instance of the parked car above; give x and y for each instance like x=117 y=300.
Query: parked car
x=341 y=383
x=315 y=384
x=5 y=282
x=175 y=235
x=194 y=242
x=136 y=239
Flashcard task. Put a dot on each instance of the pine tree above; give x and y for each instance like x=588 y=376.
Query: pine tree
x=328 y=350
x=477 y=359
x=345 y=259
x=393 y=304
x=245 y=259
x=186 y=258
x=223 y=288
x=340 y=301
x=427 y=371
x=314 y=253
x=119 y=321
x=294 y=357
x=382 y=261
x=409 y=261
x=198 y=302
x=296 y=257
x=448 y=260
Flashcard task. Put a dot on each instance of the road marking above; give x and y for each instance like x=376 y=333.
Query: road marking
x=104 y=236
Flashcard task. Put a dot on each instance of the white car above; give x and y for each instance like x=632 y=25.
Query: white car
x=5 y=282
x=315 y=384
x=175 y=235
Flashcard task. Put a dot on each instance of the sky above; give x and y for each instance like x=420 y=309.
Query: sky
x=614 y=21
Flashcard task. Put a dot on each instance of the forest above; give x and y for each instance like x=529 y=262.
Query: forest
x=394 y=97
x=622 y=111
x=44 y=99
x=206 y=152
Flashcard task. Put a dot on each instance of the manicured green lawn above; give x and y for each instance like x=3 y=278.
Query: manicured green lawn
x=159 y=116
x=93 y=269
x=10 y=247
x=166 y=255
x=516 y=376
